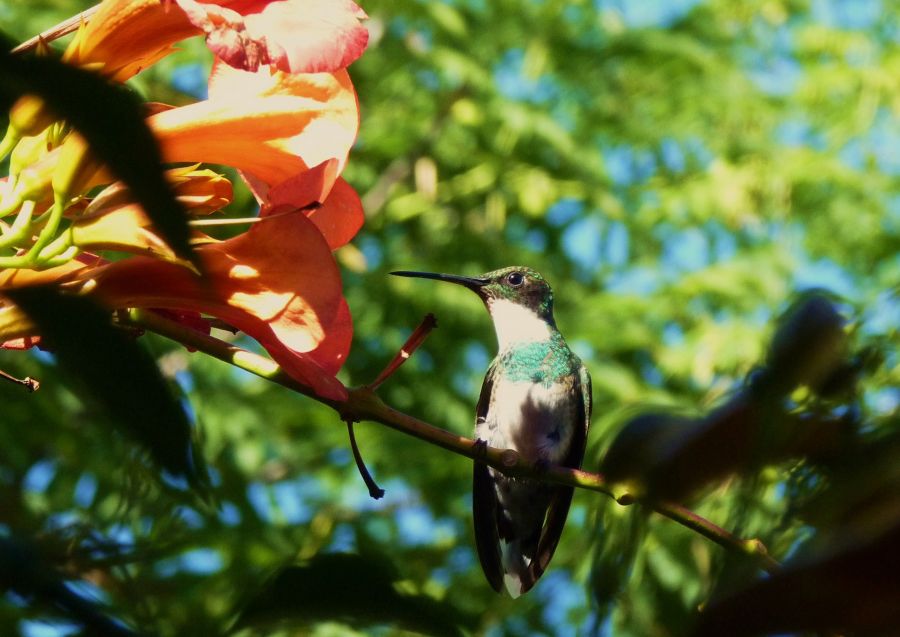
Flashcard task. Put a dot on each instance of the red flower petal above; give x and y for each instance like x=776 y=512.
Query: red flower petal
x=303 y=189
x=332 y=352
x=295 y=36
x=277 y=282
x=23 y=343
x=341 y=216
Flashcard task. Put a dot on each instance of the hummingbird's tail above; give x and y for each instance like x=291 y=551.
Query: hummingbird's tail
x=517 y=577
x=515 y=555
x=525 y=557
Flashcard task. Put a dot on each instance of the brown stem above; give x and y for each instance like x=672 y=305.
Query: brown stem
x=726 y=539
x=28 y=382
x=363 y=404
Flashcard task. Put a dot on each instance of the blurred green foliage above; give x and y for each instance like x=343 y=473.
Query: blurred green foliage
x=678 y=171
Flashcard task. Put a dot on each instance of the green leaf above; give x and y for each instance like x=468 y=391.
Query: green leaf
x=111 y=118
x=354 y=589
x=115 y=372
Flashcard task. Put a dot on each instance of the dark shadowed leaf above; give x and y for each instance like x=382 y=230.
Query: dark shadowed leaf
x=808 y=345
x=354 y=589
x=111 y=119
x=671 y=456
x=114 y=371
x=863 y=492
x=23 y=570
x=641 y=443
x=855 y=589
x=679 y=456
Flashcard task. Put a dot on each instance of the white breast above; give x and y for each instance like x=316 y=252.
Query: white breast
x=533 y=419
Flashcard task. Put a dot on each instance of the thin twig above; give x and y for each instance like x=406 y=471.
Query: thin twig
x=411 y=345
x=363 y=404
x=28 y=382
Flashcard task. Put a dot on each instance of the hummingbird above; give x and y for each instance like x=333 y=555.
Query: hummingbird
x=536 y=399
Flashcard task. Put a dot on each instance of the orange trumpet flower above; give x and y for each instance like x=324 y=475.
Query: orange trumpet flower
x=270 y=125
x=281 y=109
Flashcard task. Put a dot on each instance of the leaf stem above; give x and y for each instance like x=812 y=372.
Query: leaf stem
x=375 y=491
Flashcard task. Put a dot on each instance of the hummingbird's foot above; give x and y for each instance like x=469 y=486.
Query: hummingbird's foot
x=480 y=448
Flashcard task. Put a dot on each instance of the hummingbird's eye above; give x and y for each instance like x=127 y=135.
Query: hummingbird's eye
x=515 y=279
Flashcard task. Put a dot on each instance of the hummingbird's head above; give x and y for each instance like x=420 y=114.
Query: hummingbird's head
x=519 y=299
x=521 y=286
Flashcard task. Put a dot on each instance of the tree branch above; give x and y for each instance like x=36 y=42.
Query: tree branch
x=753 y=547
x=363 y=404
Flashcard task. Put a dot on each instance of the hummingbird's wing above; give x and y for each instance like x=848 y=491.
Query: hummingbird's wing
x=484 y=502
x=562 y=496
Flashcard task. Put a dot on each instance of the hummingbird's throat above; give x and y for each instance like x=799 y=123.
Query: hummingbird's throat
x=516 y=324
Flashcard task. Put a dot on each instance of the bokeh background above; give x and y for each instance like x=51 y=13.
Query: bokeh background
x=679 y=171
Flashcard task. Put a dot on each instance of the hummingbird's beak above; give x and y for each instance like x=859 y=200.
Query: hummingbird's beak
x=473 y=283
